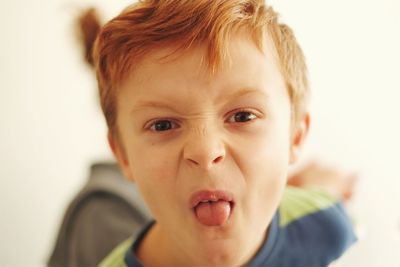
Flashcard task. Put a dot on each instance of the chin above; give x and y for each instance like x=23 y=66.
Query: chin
x=221 y=253
x=222 y=259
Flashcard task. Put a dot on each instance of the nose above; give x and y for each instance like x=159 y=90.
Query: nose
x=204 y=148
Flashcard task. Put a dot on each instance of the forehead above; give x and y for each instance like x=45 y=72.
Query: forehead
x=244 y=65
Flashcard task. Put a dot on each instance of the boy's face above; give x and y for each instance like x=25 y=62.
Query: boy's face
x=185 y=131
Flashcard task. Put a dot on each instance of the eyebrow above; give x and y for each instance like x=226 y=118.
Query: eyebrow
x=151 y=104
x=225 y=97
x=241 y=92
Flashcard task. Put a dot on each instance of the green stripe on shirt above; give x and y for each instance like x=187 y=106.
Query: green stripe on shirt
x=117 y=256
x=299 y=202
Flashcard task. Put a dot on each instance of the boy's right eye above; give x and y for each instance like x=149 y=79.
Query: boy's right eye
x=163 y=125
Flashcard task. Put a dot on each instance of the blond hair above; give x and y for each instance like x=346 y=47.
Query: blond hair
x=151 y=24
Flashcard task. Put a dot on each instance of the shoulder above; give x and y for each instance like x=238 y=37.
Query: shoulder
x=117 y=256
x=299 y=202
x=122 y=255
x=316 y=222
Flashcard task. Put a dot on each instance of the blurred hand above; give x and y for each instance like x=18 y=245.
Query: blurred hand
x=335 y=181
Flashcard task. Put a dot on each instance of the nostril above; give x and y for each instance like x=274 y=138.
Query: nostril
x=218 y=159
x=193 y=161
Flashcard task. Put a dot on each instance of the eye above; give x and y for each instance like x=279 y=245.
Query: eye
x=242 y=116
x=163 y=125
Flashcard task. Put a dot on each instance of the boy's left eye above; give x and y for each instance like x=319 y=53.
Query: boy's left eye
x=242 y=116
x=163 y=125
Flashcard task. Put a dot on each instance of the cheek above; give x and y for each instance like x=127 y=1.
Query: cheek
x=153 y=162
x=265 y=168
x=269 y=147
x=268 y=169
x=267 y=152
x=153 y=169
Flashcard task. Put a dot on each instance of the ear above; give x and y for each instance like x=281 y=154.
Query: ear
x=119 y=153
x=299 y=134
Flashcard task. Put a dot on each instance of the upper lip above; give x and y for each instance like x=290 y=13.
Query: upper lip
x=210 y=195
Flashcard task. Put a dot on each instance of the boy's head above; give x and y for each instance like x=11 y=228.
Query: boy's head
x=150 y=25
x=206 y=106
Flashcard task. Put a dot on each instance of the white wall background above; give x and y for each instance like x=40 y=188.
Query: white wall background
x=51 y=127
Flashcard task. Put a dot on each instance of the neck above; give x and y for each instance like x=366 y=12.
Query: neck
x=156 y=242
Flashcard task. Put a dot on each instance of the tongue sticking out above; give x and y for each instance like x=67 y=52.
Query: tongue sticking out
x=213 y=213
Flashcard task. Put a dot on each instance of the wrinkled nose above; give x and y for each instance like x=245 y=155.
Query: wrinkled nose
x=204 y=148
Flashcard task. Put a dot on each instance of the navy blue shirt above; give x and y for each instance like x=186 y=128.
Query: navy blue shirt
x=310 y=229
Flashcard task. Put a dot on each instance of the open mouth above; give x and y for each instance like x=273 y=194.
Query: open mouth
x=212 y=208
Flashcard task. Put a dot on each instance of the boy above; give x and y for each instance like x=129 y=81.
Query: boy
x=206 y=105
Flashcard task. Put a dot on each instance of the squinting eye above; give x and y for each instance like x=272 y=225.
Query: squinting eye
x=163 y=125
x=242 y=116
